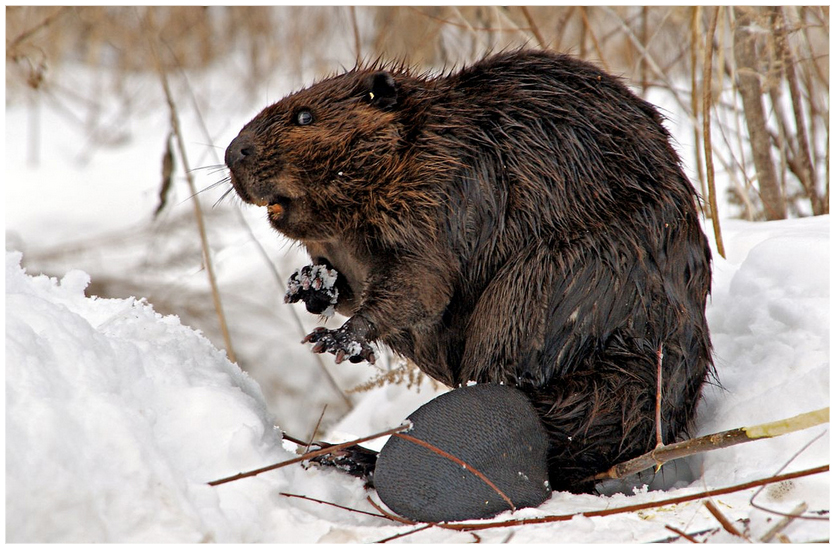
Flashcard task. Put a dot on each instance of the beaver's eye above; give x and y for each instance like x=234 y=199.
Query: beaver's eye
x=304 y=117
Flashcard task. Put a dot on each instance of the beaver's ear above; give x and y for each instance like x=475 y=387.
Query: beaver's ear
x=380 y=90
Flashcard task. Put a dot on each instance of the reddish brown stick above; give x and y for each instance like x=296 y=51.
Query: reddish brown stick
x=307 y=456
x=465 y=465
x=635 y=507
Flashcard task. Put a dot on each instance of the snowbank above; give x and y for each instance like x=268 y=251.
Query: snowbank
x=117 y=417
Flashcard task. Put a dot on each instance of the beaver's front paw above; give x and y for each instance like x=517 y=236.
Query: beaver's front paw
x=314 y=285
x=344 y=343
x=355 y=460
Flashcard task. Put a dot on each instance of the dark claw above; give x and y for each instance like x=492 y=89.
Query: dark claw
x=315 y=335
x=343 y=342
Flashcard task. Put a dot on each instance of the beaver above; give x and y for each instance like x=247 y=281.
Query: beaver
x=524 y=221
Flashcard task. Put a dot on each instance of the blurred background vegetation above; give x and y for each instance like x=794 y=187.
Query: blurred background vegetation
x=775 y=55
x=749 y=84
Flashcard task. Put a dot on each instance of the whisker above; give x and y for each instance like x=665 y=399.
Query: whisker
x=213 y=167
x=226 y=193
x=209 y=188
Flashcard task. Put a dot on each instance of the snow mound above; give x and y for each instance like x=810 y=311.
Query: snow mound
x=116 y=418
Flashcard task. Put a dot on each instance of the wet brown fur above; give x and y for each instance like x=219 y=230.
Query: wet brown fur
x=523 y=221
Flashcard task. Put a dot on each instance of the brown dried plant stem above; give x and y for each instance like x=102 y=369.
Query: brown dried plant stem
x=707 y=138
x=806 y=173
x=320 y=452
x=335 y=505
x=784 y=522
x=722 y=519
x=458 y=461
x=356 y=34
x=658 y=409
x=199 y=218
x=686 y=536
x=695 y=46
x=719 y=440
x=635 y=507
x=260 y=248
x=533 y=27
x=46 y=22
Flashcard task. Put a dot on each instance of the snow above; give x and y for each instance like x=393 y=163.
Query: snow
x=117 y=416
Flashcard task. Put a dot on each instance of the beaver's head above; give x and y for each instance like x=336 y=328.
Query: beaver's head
x=316 y=156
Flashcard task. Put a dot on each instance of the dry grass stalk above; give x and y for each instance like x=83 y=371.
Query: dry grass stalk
x=782 y=524
x=199 y=218
x=533 y=27
x=707 y=134
x=404 y=372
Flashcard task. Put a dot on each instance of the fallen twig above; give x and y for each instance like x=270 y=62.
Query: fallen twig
x=634 y=507
x=785 y=465
x=320 y=452
x=410 y=532
x=465 y=465
x=784 y=522
x=318 y=501
x=390 y=515
x=683 y=534
x=722 y=519
x=314 y=431
x=720 y=440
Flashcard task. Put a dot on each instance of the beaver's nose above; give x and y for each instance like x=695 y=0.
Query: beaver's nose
x=242 y=149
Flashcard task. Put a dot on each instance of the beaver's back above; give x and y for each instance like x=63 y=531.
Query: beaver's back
x=560 y=166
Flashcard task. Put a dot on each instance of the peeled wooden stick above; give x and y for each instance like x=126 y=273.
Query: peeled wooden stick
x=720 y=440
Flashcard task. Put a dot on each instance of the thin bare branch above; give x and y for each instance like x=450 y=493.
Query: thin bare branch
x=807 y=176
x=316 y=427
x=782 y=524
x=462 y=463
x=407 y=533
x=635 y=507
x=390 y=515
x=659 y=403
x=307 y=456
x=683 y=534
x=707 y=134
x=722 y=519
x=693 y=65
x=720 y=440
x=348 y=509
x=47 y=21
